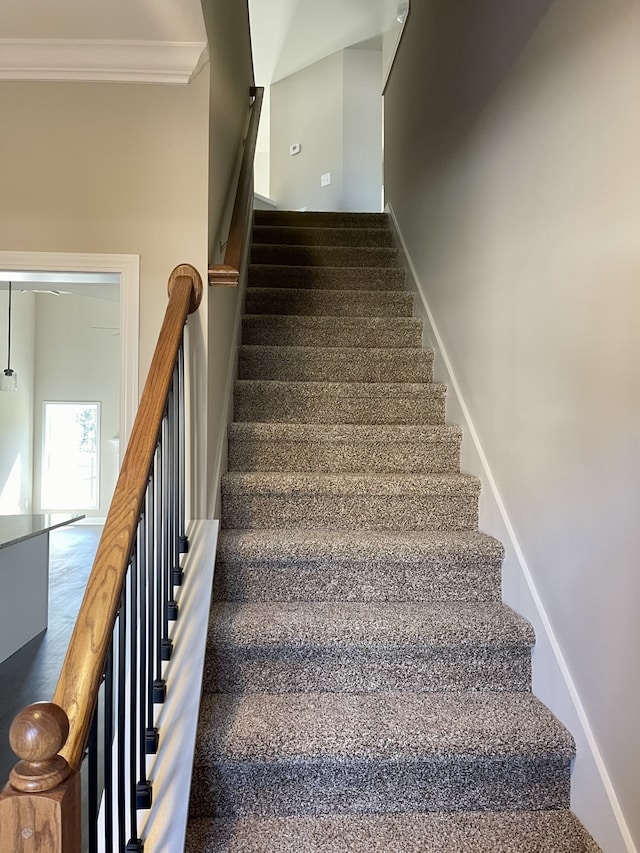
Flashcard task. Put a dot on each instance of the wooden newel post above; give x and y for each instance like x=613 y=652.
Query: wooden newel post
x=40 y=806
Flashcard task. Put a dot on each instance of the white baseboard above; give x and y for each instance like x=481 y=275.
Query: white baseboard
x=593 y=797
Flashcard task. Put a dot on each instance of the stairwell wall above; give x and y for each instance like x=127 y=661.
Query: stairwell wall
x=512 y=173
x=231 y=77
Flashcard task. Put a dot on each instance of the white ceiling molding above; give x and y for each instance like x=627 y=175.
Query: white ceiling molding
x=101 y=60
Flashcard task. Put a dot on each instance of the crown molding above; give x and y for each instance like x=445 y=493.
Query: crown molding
x=101 y=60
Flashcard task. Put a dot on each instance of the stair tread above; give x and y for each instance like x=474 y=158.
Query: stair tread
x=295 y=351
x=367 y=626
x=303 y=483
x=544 y=831
x=309 y=302
x=378 y=727
x=326 y=278
x=378 y=548
x=302 y=217
x=387 y=390
x=324 y=321
x=327 y=433
x=321 y=235
x=324 y=255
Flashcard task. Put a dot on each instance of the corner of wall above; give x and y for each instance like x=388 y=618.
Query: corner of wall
x=592 y=795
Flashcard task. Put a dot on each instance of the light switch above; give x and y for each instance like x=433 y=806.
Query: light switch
x=296 y=148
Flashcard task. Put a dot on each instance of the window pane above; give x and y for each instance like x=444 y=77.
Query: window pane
x=70 y=462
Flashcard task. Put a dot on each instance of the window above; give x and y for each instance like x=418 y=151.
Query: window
x=70 y=459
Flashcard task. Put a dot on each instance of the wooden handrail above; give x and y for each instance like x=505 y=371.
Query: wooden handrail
x=77 y=689
x=228 y=272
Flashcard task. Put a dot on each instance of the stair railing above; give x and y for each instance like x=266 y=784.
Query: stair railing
x=112 y=676
x=228 y=272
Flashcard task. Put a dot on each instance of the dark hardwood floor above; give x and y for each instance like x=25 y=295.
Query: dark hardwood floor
x=30 y=675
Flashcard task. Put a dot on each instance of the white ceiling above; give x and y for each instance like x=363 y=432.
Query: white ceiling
x=288 y=35
x=160 y=41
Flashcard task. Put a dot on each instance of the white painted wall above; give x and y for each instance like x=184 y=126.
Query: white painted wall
x=16 y=408
x=333 y=109
x=75 y=361
x=512 y=169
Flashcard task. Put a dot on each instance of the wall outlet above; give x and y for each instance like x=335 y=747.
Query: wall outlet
x=296 y=148
x=325 y=179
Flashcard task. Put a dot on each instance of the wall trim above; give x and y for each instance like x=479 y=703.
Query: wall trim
x=101 y=60
x=128 y=268
x=571 y=693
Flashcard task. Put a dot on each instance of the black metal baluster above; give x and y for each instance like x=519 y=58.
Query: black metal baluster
x=148 y=737
x=167 y=645
x=108 y=751
x=159 y=685
x=121 y=709
x=133 y=845
x=174 y=562
x=183 y=542
x=92 y=783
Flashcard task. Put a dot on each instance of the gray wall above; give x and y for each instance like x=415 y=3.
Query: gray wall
x=362 y=130
x=333 y=109
x=306 y=108
x=511 y=161
x=231 y=76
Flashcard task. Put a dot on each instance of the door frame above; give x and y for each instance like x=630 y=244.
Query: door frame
x=128 y=268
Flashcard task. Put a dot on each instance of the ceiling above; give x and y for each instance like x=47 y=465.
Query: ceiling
x=133 y=40
x=165 y=40
x=288 y=35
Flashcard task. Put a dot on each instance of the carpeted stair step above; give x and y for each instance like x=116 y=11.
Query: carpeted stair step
x=324 y=256
x=321 y=218
x=548 y=831
x=433 y=448
x=302 y=331
x=339 y=402
x=309 y=236
x=326 y=278
x=335 y=364
x=377 y=753
x=336 y=303
x=350 y=501
x=353 y=565
x=354 y=647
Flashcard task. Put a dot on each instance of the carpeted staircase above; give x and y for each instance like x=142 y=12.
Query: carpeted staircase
x=365 y=688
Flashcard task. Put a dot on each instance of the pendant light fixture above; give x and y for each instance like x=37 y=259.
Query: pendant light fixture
x=9 y=378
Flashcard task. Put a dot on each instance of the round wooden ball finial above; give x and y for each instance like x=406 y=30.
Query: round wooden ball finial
x=36 y=736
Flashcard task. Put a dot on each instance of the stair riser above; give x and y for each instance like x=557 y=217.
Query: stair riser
x=239 y=581
x=292 y=670
x=316 y=364
x=323 y=236
x=351 y=512
x=429 y=457
x=320 y=219
x=289 y=404
x=266 y=331
x=337 y=303
x=346 y=786
x=326 y=278
x=324 y=256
